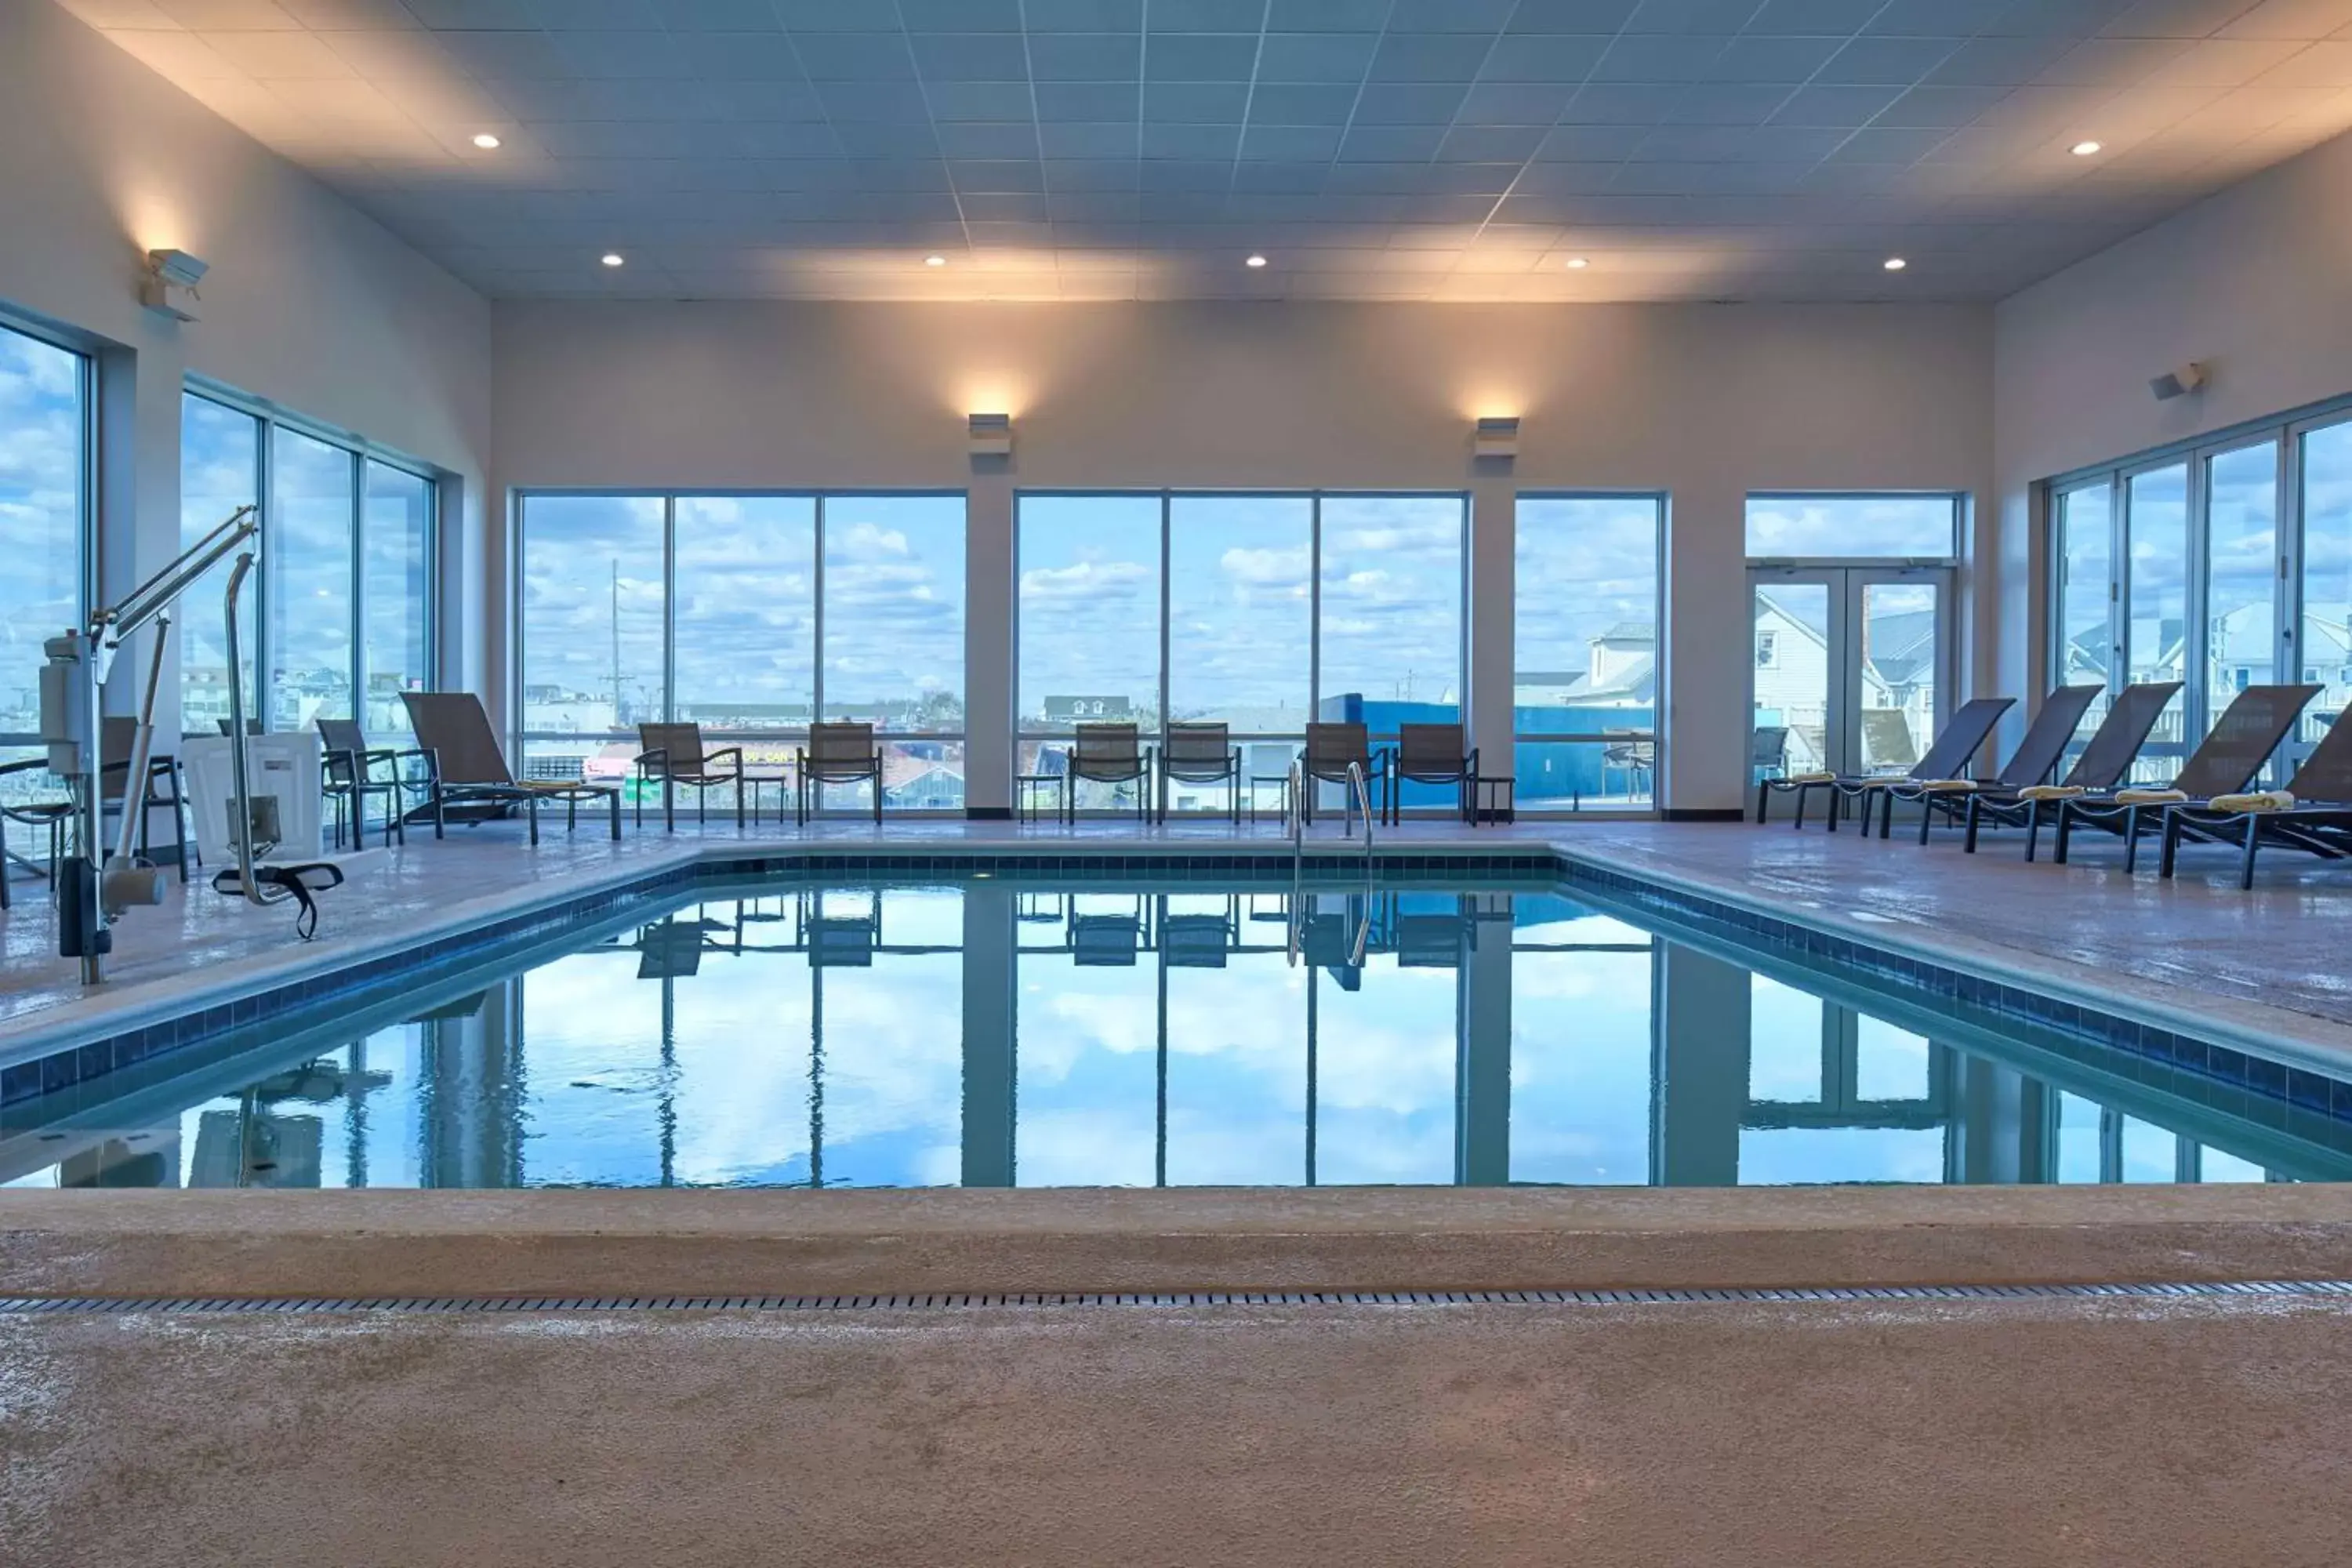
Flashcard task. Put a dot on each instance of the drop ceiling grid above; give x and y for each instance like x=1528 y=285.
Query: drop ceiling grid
x=1372 y=149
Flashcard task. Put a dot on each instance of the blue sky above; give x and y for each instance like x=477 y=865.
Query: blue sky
x=40 y=479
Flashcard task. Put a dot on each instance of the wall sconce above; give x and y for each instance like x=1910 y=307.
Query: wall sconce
x=991 y=435
x=170 y=287
x=2172 y=384
x=1496 y=438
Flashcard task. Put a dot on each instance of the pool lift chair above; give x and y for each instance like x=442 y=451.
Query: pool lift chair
x=101 y=882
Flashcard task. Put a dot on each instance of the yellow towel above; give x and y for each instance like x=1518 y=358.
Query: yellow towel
x=2050 y=792
x=1949 y=786
x=2150 y=796
x=2261 y=800
x=1887 y=782
x=1809 y=778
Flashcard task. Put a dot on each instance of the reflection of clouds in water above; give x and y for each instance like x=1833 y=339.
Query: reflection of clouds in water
x=1580 y=1062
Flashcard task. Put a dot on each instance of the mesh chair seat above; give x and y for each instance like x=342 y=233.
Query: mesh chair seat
x=837 y=752
x=1200 y=753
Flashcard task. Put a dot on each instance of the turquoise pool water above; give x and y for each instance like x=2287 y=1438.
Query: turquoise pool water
x=1000 y=1033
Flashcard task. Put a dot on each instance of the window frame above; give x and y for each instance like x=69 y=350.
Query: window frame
x=518 y=654
x=359 y=451
x=86 y=475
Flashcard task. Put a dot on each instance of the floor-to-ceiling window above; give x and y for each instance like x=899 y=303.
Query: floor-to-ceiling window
x=341 y=614
x=748 y=614
x=1584 y=702
x=2233 y=569
x=1258 y=612
x=45 y=447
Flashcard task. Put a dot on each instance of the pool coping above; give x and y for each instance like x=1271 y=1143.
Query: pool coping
x=85 y=1038
x=260 y=1244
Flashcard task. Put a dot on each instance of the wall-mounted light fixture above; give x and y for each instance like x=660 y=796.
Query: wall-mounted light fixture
x=2178 y=383
x=1496 y=438
x=170 y=287
x=991 y=435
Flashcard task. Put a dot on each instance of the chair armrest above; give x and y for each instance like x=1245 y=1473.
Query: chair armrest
x=734 y=751
x=644 y=758
x=1470 y=763
x=23 y=766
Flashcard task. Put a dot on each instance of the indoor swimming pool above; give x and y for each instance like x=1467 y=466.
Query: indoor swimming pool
x=1003 y=1031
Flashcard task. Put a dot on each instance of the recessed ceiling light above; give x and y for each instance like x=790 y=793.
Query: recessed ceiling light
x=2084 y=148
x=1255 y=261
x=486 y=142
x=611 y=259
x=935 y=261
x=1578 y=263
x=1895 y=264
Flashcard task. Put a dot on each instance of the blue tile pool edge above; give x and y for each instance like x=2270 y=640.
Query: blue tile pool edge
x=366 y=977
x=2261 y=1072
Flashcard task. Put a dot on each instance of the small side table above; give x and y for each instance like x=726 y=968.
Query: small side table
x=776 y=773
x=1028 y=787
x=1281 y=787
x=1497 y=798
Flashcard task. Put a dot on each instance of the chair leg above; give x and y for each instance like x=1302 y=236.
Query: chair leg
x=2170 y=851
x=1969 y=841
x=2065 y=831
x=531 y=809
x=613 y=802
x=738 y=801
x=878 y=797
x=1927 y=818
x=2033 y=828
x=2246 y=865
x=2131 y=840
x=1763 y=795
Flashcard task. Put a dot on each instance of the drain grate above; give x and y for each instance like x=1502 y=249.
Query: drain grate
x=245 y=1306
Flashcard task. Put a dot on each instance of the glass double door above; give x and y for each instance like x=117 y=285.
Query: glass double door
x=1851 y=667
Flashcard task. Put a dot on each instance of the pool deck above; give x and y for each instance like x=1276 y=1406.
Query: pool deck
x=2264 y=969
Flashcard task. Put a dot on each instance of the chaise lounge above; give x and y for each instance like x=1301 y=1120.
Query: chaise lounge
x=2313 y=813
x=1946 y=759
x=2108 y=755
x=2242 y=741
x=2036 y=759
x=464 y=767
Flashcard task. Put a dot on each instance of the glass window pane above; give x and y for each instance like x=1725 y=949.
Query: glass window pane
x=1585 y=650
x=1089 y=612
x=592 y=629
x=1899 y=656
x=307 y=550
x=2150 y=1153
x=1890 y=1063
x=1793 y=679
x=2221 y=1165
x=1924 y=526
x=1239 y=611
x=2086 y=627
x=2327 y=573
x=1392 y=610
x=398 y=543
x=43 y=426
x=220 y=468
x=2079 y=1134
x=894 y=611
x=1785 y=1059
x=2157 y=596
x=2241 y=572
x=746 y=619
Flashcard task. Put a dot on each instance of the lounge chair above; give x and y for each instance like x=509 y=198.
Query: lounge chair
x=1432 y=754
x=2032 y=763
x=1946 y=759
x=2313 y=814
x=1767 y=752
x=1330 y=749
x=2106 y=757
x=674 y=755
x=53 y=814
x=464 y=767
x=116 y=735
x=2242 y=741
x=1111 y=754
x=835 y=754
x=348 y=767
x=1200 y=753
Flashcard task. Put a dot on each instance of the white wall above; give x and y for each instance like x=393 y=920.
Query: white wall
x=1704 y=402
x=310 y=305
x=2256 y=281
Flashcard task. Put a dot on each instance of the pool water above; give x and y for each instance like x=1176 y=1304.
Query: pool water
x=1000 y=1033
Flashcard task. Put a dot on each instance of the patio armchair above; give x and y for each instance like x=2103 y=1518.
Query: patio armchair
x=117 y=733
x=835 y=754
x=54 y=816
x=464 y=767
x=1200 y=753
x=1435 y=754
x=673 y=753
x=1330 y=749
x=349 y=773
x=1111 y=754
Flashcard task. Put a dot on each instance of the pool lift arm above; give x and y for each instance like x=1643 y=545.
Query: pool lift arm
x=101 y=882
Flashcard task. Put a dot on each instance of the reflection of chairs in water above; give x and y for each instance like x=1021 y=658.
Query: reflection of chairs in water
x=1767 y=752
x=1437 y=941
x=839 y=941
x=1108 y=941
x=1200 y=940
x=1888 y=746
x=672 y=949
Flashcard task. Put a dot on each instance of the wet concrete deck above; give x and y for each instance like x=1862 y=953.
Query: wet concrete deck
x=2071 y=1432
